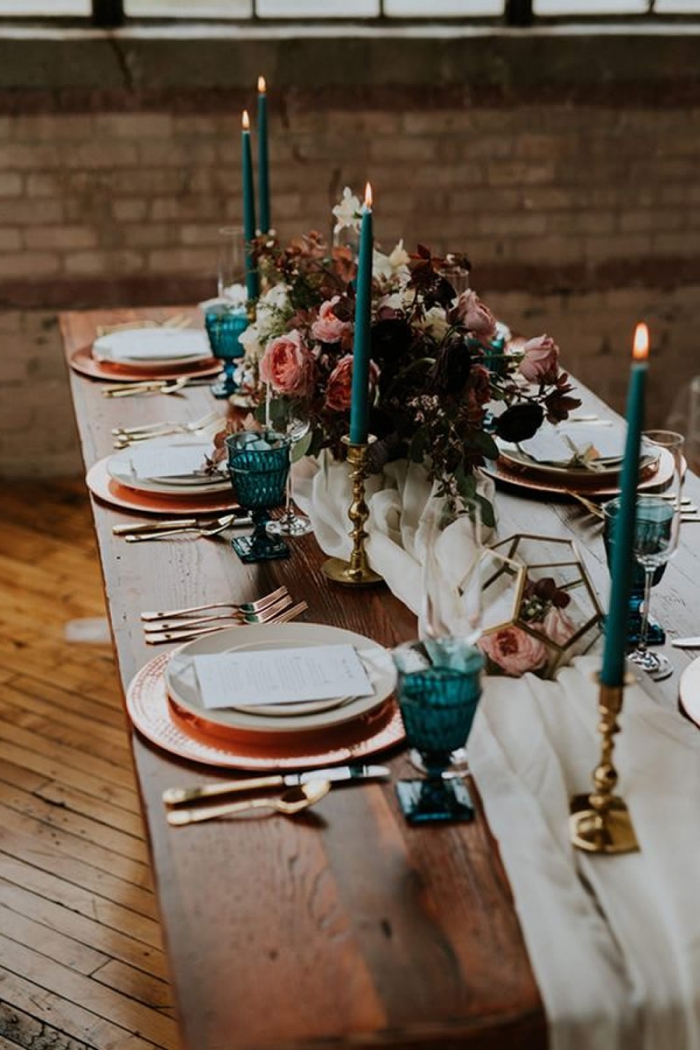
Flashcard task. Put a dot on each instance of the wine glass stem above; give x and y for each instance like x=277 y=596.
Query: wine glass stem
x=288 y=497
x=644 y=625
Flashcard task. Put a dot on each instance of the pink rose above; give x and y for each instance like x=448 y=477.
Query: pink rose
x=514 y=650
x=558 y=626
x=541 y=361
x=339 y=388
x=287 y=365
x=328 y=328
x=475 y=315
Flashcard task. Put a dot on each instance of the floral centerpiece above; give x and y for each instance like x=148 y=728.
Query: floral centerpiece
x=440 y=363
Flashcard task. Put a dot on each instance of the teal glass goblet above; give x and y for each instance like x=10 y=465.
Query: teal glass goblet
x=258 y=465
x=225 y=323
x=438 y=688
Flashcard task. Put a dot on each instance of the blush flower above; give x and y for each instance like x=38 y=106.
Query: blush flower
x=475 y=315
x=287 y=365
x=339 y=387
x=541 y=361
x=558 y=626
x=328 y=328
x=514 y=650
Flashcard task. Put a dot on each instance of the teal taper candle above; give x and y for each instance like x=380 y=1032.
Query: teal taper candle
x=251 y=271
x=263 y=164
x=613 y=671
x=359 y=404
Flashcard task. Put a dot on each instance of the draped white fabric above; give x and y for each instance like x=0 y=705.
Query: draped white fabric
x=614 y=941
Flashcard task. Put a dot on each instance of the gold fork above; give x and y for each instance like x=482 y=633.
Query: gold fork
x=186 y=635
x=240 y=615
x=256 y=606
x=590 y=506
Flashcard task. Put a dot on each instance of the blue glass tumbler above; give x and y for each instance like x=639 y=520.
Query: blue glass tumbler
x=655 y=632
x=438 y=688
x=225 y=323
x=258 y=465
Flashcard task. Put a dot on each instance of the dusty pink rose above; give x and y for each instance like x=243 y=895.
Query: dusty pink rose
x=514 y=650
x=287 y=365
x=558 y=626
x=328 y=328
x=475 y=315
x=541 y=361
x=339 y=388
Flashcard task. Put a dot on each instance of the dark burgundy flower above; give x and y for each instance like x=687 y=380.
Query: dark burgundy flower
x=520 y=422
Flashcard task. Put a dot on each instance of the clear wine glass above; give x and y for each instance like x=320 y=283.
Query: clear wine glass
x=290 y=523
x=657 y=526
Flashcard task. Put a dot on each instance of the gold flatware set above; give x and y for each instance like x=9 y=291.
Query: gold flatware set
x=179 y=625
x=689 y=512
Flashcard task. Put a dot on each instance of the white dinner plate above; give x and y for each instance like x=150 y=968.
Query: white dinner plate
x=147 y=348
x=125 y=467
x=607 y=469
x=183 y=688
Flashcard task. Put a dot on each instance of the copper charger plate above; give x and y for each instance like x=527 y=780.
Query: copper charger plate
x=105 y=488
x=658 y=476
x=152 y=715
x=83 y=362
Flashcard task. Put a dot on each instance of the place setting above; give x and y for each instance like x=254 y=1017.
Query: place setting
x=163 y=358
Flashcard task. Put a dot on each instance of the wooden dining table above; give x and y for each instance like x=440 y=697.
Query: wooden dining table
x=345 y=927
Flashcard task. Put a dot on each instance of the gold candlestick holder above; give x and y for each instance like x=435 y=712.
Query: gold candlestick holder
x=600 y=822
x=355 y=572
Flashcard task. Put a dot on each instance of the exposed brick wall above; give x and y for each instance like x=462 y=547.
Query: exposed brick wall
x=580 y=219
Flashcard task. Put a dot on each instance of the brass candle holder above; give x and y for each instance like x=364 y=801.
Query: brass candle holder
x=600 y=822
x=355 y=572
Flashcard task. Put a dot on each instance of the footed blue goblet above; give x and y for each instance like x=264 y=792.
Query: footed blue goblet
x=225 y=323
x=439 y=685
x=258 y=465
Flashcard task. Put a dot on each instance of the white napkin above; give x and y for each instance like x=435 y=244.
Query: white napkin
x=614 y=941
x=564 y=444
x=401 y=521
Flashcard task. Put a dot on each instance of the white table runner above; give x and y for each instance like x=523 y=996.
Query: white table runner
x=614 y=941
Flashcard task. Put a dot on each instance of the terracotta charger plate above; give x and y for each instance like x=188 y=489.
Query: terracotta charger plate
x=151 y=714
x=105 y=488
x=689 y=691
x=658 y=477
x=83 y=362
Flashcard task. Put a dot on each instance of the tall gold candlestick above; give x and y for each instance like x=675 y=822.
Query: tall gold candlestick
x=355 y=572
x=600 y=822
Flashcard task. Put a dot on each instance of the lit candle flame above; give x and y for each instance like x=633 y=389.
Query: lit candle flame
x=262 y=86
x=368 y=196
x=640 y=350
x=245 y=120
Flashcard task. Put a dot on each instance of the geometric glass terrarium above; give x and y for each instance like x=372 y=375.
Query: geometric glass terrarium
x=543 y=608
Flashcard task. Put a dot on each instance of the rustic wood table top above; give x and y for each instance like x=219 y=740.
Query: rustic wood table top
x=345 y=927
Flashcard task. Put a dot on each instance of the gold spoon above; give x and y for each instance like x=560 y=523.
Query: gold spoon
x=213 y=529
x=291 y=802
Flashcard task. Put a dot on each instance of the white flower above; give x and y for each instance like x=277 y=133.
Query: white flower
x=399 y=258
x=270 y=306
x=348 y=213
x=435 y=323
x=386 y=267
x=236 y=294
x=250 y=339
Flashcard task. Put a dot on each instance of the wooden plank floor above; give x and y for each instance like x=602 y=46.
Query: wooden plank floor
x=81 y=963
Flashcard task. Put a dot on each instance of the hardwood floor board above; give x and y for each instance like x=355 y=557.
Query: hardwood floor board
x=83 y=966
x=107 y=743
x=97 y=809
x=66 y=847
x=85 y=828
x=18 y=776
x=55 y=945
x=117 y=912
x=57 y=1013
x=68 y=754
x=108 y=1005
x=124 y=797
x=106 y=708
x=115 y=943
x=135 y=983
